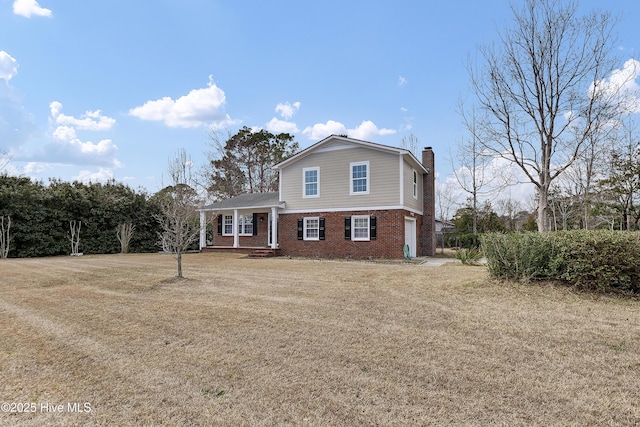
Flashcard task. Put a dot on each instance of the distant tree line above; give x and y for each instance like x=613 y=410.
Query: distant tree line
x=41 y=215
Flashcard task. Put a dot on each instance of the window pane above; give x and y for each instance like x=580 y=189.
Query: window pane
x=359 y=185
x=360 y=233
x=311 y=189
x=360 y=171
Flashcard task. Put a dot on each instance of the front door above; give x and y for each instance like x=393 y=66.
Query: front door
x=410 y=235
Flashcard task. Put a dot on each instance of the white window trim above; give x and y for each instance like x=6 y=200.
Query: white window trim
x=414 y=180
x=304 y=183
x=367 y=178
x=224 y=225
x=353 y=228
x=241 y=224
x=304 y=231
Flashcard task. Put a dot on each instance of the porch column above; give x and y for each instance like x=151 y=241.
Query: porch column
x=236 y=239
x=203 y=229
x=274 y=228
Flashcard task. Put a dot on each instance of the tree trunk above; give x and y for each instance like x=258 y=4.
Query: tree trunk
x=543 y=196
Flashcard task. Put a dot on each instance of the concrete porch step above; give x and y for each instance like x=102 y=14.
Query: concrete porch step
x=262 y=253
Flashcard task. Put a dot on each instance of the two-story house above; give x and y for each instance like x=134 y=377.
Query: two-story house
x=339 y=198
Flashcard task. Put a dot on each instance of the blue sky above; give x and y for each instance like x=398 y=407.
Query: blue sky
x=92 y=90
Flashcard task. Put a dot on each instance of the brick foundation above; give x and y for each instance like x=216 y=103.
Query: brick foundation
x=389 y=242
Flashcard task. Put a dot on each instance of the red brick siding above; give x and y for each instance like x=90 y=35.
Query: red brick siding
x=388 y=244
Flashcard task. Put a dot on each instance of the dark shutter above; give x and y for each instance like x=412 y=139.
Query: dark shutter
x=373 y=232
x=300 y=230
x=347 y=228
x=321 y=229
x=220 y=220
x=255 y=224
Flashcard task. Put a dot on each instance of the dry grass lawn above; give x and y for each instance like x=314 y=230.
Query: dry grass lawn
x=271 y=342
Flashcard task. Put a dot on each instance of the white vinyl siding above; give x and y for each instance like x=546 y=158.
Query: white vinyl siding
x=383 y=180
x=411 y=201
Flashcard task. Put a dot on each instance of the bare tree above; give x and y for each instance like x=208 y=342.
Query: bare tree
x=124 y=232
x=177 y=218
x=410 y=143
x=543 y=89
x=446 y=196
x=473 y=168
x=5 y=159
x=75 y=227
x=5 y=235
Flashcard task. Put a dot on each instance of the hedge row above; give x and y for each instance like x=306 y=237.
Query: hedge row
x=595 y=260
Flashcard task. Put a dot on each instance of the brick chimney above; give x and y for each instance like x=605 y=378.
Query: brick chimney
x=429 y=199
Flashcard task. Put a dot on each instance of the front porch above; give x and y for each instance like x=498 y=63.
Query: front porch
x=242 y=224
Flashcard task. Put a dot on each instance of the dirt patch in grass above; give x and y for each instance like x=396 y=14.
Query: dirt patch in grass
x=268 y=342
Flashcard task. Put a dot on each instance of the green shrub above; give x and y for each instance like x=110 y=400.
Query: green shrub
x=523 y=256
x=469 y=256
x=598 y=260
x=593 y=260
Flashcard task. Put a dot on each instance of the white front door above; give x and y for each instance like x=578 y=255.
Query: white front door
x=410 y=235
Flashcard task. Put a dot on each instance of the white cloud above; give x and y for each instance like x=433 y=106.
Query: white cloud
x=28 y=8
x=367 y=130
x=622 y=83
x=8 y=66
x=402 y=81
x=281 y=126
x=64 y=133
x=101 y=175
x=35 y=168
x=90 y=120
x=364 y=131
x=200 y=107
x=287 y=110
x=68 y=149
x=322 y=130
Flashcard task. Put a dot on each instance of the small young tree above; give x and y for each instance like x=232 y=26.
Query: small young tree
x=124 y=232
x=177 y=218
x=75 y=236
x=5 y=236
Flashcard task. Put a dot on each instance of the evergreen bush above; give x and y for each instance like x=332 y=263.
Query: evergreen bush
x=596 y=260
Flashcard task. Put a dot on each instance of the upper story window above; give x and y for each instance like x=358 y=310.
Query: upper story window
x=311 y=182
x=415 y=184
x=359 y=178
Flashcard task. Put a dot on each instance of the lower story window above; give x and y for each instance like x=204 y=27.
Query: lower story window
x=245 y=225
x=312 y=228
x=228 y=225
x=360 y=227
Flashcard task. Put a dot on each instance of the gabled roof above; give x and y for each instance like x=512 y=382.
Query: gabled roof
x=408 y=156
x=246 y=201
